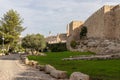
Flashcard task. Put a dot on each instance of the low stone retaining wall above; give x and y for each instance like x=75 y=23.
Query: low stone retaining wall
x=95 y=57
x=58 y=74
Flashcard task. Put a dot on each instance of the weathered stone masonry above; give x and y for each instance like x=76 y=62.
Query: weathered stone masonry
x=103 y=36
x=105 y=23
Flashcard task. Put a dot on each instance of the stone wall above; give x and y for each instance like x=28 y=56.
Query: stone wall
x=103 y=28
x=117 y=20
x=99 y=46
x=104 y=23
x=98 y=23
x=94 y=24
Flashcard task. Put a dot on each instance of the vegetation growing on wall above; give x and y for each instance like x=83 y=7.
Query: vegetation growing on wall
x=83 y=32
x=73 y=44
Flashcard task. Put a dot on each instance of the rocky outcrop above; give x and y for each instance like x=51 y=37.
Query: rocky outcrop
x=79 y=76
x=99 y=46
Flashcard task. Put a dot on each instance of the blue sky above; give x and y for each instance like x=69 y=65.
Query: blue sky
x=42 y=16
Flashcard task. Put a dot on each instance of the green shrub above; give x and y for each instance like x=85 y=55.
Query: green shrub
x=73 y=44
x=57 y=47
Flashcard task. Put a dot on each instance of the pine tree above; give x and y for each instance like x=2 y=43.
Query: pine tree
x=11 y=28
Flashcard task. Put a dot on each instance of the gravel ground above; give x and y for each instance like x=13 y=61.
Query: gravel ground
x=12 y=69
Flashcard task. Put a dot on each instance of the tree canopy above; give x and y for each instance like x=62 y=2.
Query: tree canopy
x=10 y=28
x=34 y=42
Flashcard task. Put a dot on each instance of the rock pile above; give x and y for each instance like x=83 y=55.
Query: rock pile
x=57 y=74
x=48 y=69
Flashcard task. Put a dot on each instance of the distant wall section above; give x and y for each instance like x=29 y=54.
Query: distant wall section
x=73 y=29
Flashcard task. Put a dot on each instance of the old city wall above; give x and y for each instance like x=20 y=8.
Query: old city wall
x=117 y=20
x=73 y=32
x=95 y=24
x=103 y=36
x=104 y=23
x=112 y=22
x=109 y=23
x=76 y=30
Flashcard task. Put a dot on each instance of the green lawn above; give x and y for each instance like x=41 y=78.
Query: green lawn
x=97 y=69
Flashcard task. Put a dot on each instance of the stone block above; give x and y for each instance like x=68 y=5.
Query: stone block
x=49 y=68
x=34 y=63
x=30 y=62
x=26 y=61
x=79 y=76
x=59 y=74
x=40 y=67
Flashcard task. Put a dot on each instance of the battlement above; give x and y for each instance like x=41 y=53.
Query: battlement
x=107 y=8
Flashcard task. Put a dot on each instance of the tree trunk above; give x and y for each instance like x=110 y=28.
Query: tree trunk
x=8 y=47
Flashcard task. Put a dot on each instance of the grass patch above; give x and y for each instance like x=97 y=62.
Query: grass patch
x=97 y=69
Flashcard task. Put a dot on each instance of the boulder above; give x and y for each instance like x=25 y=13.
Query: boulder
x=49 y=68
x=30 y=62
x=40 y=67
x=59 y=74
x=92 y=44
x=79 y=76
x=42 y=54
x=26 y=60
x=34 y=63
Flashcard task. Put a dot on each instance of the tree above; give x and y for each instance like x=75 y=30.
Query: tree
x=34 y=42
x=83 y=32
x=11 y=28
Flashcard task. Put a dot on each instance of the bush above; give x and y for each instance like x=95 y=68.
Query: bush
x=57 y=47
x=73 y=43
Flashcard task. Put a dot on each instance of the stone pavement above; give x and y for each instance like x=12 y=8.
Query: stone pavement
x=12 y=69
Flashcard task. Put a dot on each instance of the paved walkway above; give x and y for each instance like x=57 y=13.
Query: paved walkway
x=12 y=69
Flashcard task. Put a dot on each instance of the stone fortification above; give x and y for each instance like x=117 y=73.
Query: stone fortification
x=104 y=23
x=73 y=30
x=103 y=32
